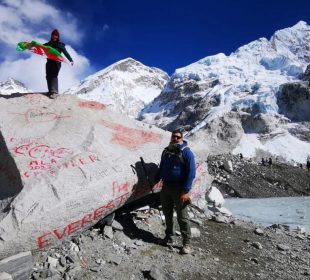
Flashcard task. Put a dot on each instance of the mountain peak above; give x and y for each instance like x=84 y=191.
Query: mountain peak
x=11 y=86
x=233 y=102
x=125 y=86
x=300 y=25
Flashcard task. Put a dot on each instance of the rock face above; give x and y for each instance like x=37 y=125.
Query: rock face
x=294 y=101
x=67 y=163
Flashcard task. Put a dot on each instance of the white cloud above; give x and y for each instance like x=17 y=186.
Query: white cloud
x=105 y=27
x=25 y=20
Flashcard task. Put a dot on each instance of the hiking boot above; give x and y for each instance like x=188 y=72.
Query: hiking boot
x=186 y=249
x=167 y=241
x=53 y=96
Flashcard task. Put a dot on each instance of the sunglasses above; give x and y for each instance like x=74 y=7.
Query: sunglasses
x=176 y=136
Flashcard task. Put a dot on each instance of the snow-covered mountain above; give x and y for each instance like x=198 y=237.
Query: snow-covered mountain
x=243 y=102
x=12 y=86
x=126 y=86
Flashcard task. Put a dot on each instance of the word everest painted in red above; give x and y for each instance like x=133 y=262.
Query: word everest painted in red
x=123 y=190
x=49 y=238
x=129 y=137
x=92 y=105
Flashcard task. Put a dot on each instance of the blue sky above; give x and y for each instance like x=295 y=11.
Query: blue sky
x=171 y=34
x=165 y=34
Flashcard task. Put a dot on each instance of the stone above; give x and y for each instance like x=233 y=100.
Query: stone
x=215 y=197
x=36 y=275
x=94 y=268
x=196 y=221
x=139 y=243
x=108 y=232
x=117 y=226
x=62 y=261
x=52 y=261
x=99 y=261
x=283 y=247
x=5 y=276
x=301 y=230
x=157 y=274
x=74 y=247
x=220 y=219
x=257 y=245
x=259 y=231
x=115 y=259
x=144 y=208
x=228 y=166
x=18 y=266
x=195 y=232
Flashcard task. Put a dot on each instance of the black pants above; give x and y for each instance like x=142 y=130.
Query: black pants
x=52 y=69
x=170 y=199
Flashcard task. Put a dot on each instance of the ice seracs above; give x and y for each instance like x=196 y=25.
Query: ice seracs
x=227 y=99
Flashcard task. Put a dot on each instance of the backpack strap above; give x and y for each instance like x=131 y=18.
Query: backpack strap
x=179 y=153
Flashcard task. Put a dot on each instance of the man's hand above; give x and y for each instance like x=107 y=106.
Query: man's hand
x=185 y=199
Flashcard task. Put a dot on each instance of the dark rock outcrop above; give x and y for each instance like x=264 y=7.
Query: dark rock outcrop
x=294 y=101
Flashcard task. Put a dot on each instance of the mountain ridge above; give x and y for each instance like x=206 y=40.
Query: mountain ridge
x=253 y=101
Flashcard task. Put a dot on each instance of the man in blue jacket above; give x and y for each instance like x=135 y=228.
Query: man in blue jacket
x=177 y=170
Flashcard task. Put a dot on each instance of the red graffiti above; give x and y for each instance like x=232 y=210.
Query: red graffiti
x=92 y=105
x=129 y=137
x=48 y=238
x=35 y=99
x=36 y=167
x=36 y=150
x=43 y=158
x=123 y=190
x=119 y=189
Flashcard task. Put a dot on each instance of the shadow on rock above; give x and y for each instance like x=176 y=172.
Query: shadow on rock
x=10 y=180
x=133 y=232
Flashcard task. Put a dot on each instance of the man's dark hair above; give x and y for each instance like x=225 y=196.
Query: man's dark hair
x=178 y=131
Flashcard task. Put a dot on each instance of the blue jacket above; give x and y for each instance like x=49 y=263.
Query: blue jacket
x=173 y=169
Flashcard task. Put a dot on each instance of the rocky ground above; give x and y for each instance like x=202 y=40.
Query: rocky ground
x=250 y=179
x=129 y=249
x=127 y=246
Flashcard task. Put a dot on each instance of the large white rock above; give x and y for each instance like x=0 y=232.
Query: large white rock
x=67 y=163
x=215 y=197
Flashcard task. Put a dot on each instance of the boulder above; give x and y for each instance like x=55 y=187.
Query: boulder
x=294 y=101
x=228 y=166
x=67 y=163
x=17 y=267
x=215 y=197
